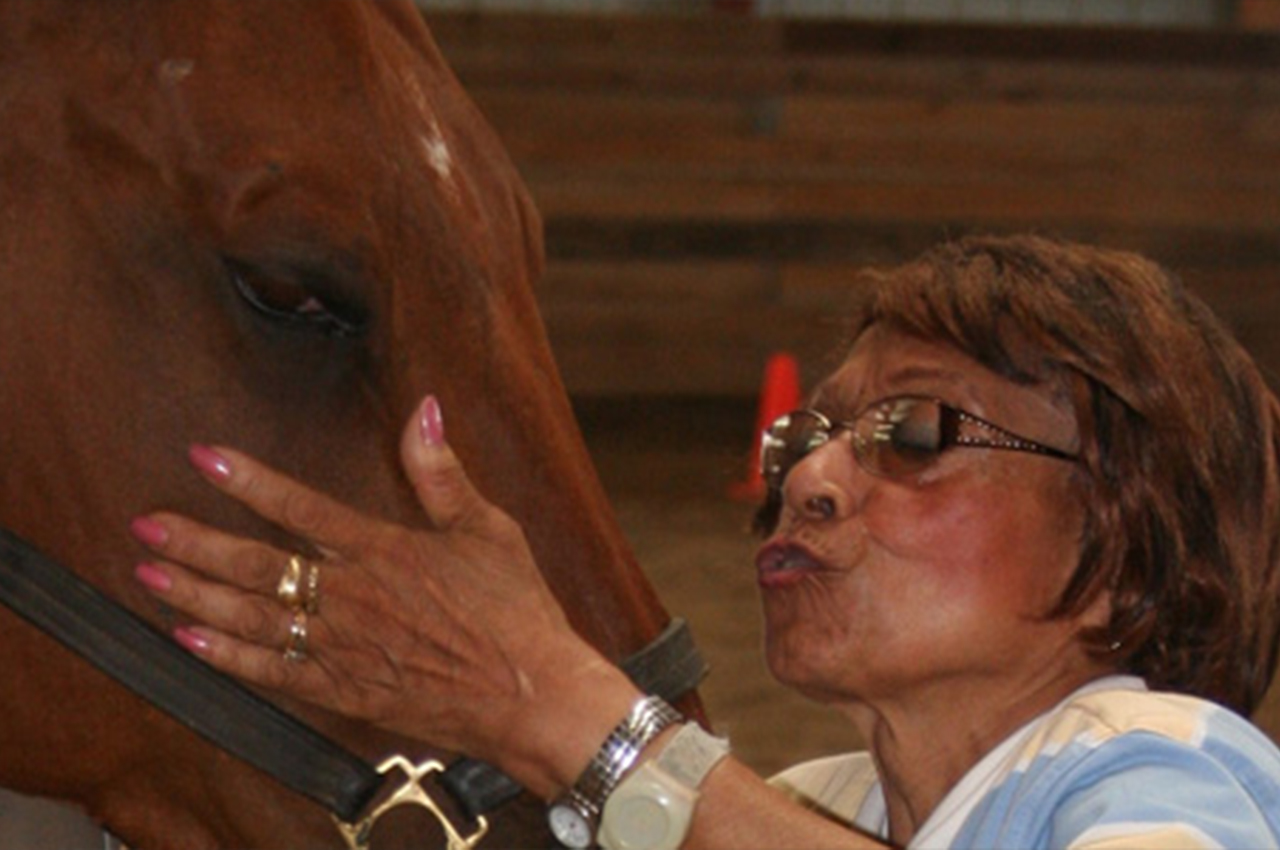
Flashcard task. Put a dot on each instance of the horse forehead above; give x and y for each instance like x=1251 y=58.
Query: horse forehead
x=360 y=91
x=339 y=113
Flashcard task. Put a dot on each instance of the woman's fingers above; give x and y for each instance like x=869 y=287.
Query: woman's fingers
x=231 y=584
x=247 y=564
x=333 y=657
x=442 y=485
x=258 y=665
x=288 y=503
x=223 y=607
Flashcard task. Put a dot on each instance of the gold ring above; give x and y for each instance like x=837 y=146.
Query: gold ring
x=289 y=589
x=296 y=648
x=311 y=604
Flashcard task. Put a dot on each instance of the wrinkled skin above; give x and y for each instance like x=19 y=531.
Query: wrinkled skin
x=385 y=247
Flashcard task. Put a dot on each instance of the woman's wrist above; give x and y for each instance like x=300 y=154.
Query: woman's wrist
x=570 y=707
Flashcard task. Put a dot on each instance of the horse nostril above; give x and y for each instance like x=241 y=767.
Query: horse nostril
x=822 y=507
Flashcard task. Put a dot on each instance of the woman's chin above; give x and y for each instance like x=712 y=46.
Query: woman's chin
x=789 y=657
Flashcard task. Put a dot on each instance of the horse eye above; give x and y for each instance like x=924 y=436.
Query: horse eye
x=290 y=300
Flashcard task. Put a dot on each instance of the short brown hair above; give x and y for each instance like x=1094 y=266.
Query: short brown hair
x=1178 y=444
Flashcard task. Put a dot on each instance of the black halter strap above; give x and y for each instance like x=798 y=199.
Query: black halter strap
x=229 y=715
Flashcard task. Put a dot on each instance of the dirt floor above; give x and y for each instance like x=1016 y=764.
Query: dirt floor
x=669 y=468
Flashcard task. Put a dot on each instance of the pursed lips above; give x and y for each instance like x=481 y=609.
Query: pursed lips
x=782 y=563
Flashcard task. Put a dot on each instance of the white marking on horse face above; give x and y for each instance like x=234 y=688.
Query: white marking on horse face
x=174 y=71
x=436 y=151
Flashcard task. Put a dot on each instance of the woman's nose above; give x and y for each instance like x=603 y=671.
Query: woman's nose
x=818 y=488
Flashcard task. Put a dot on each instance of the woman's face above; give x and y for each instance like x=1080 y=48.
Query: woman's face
x=878 y=588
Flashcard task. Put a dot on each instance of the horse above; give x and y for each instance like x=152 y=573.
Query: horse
x=273 y=225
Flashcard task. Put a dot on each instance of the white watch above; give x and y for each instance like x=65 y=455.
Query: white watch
x=652 y=807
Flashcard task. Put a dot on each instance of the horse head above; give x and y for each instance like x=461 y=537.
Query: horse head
x=275 y=226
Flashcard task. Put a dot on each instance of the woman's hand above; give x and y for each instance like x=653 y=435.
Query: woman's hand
x=450 y=636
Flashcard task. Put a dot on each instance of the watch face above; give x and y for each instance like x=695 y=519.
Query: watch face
x=569 y=826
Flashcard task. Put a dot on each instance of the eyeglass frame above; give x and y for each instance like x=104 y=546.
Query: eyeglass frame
x=950 y=420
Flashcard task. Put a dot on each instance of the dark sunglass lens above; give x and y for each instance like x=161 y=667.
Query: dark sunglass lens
x=901 y=436
x=787 y=441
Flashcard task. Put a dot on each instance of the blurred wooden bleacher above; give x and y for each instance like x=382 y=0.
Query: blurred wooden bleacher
x=710 y=183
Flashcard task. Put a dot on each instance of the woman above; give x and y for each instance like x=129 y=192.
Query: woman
x=1027 y=539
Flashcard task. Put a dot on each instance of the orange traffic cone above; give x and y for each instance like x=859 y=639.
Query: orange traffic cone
x=780 y=394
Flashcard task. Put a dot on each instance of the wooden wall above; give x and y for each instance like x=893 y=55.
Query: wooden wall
x=711 y=183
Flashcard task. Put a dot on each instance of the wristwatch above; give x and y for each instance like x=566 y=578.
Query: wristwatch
x=575 y=815
x=652 y=807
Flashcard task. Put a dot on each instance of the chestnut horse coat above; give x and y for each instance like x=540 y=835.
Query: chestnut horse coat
x=274 y=225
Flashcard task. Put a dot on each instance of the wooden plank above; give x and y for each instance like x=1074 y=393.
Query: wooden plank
x=707 y=55
x=720 y=76
x=683 y=328
x=843 y=137
x=680 y=338
x=711 y=186
x=747 y=36
x=665 y=352
x=957 y=201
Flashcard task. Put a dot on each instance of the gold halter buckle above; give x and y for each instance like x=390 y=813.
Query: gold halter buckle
x=359 y=833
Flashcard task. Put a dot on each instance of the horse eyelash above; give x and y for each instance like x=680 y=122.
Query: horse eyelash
x=312 y=312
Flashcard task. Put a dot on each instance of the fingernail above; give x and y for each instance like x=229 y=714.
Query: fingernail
x=210 y=462
x=149 y=532
x=431 y=422
x=191 y=638
x=152 y=577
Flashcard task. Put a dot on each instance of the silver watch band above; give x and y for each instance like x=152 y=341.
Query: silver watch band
x=648 y=717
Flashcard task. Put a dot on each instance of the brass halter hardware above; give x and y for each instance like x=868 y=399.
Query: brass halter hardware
x=358 y=834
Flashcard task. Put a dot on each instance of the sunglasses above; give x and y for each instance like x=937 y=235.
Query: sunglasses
x=893 y=437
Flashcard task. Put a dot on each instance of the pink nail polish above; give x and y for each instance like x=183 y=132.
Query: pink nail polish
x=153 y=578
x=431 y=422
x=210 y=462
x=149 y=532
x=191 y=638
